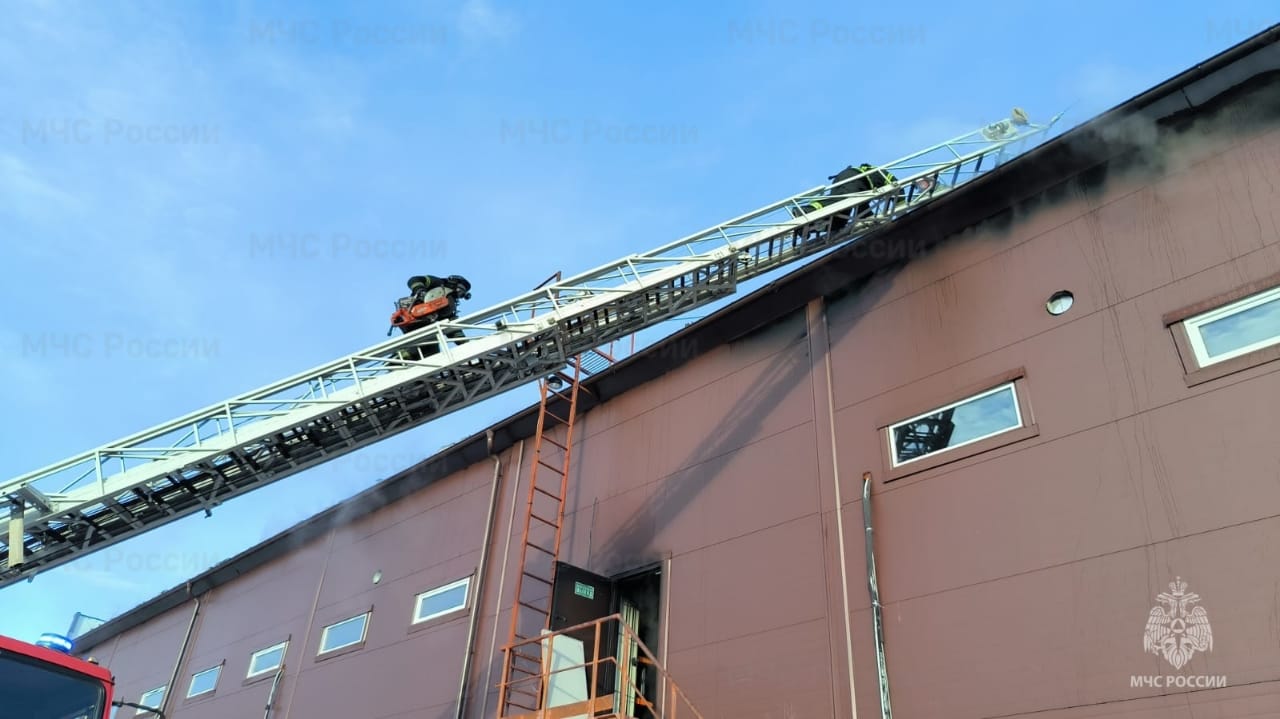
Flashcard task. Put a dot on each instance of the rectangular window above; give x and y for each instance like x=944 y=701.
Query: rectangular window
x=151 y=699
x=204 y=682
x=441 y=601
x=345 y=633
x=1236 y=329
x=266 y=660
x=970 y=420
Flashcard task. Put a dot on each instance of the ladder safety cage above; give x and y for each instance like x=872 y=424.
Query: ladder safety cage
x=191 y=464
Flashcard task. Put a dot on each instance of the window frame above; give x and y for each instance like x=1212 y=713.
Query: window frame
x=1011 y=386
x=366 y=615
x=1027 y=428
x=163 y=689
x=215 y=668
x=284 y=650
x=1185 y=322
x=416 y=619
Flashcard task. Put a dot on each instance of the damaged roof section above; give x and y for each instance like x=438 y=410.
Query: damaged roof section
x=1239 y=81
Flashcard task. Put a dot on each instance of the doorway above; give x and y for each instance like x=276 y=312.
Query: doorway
x=639 y=601
x=580 y=596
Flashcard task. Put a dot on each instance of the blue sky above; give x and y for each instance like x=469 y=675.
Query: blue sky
x=199 y=199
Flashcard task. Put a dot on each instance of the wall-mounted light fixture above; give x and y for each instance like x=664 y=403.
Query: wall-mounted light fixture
x=1059 y=302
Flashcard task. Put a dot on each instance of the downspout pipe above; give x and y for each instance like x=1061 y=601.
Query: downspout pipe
x=182 y=652
x=873 y=586
x=271 y=697
x=473 y=622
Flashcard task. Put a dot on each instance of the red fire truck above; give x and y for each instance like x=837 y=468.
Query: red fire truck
x=44 y=681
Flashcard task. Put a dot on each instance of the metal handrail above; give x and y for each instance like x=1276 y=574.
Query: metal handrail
x=670 y=697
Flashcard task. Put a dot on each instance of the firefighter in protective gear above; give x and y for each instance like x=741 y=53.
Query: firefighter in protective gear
x=872 y=178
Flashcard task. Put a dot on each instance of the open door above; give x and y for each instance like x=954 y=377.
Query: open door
x=638 y=597
x=578 y=597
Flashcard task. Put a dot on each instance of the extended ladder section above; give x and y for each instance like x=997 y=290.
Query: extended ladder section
x=193 y=463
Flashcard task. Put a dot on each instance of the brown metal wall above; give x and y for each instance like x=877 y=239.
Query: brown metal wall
x=1018 y=582
x=426 y=540
x=1014 y=582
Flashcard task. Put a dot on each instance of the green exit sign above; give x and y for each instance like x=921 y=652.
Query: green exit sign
x=584 y=590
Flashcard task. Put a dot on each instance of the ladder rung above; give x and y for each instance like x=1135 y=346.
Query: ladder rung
x=530 y=657
x=547 y=522
x=551 y=467
x=547 y=492
x=540 y=548
x=540 y=579
x=552 y=441
x=526 y=664
x=539 y=610
x=564 y=377
x=539 y=598
x=566 y=398
x=527 y=573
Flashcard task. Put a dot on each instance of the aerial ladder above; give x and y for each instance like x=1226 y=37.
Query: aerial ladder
x=193 y=463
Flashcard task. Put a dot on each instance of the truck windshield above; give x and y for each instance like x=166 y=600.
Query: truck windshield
x=33 y=689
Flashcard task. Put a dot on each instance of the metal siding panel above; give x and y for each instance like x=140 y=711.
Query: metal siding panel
x=418 y=673
x=769 y=579
x=421 y=541
x=781 y=672
x=1071 y=635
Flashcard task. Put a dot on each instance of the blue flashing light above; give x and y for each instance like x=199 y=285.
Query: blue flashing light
x=56 y=642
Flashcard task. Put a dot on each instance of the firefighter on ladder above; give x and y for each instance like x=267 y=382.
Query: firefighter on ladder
x=431 y=299
x=872 y=178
